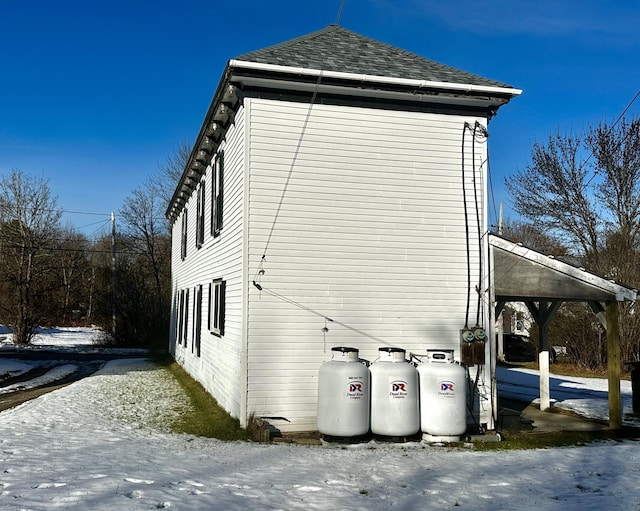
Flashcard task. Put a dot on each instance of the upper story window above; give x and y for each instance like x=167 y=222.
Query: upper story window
x=183 y=237
x=216 y=194
x=200 y=216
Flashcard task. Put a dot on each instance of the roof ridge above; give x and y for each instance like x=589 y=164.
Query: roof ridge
x=335 y=48
x=290 y=42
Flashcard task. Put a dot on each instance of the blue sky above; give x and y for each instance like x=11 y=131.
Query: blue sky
x=94 y=95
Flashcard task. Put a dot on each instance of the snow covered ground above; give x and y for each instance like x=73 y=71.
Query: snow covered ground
x=59 y=337
x=585 y=396
x=102 y=444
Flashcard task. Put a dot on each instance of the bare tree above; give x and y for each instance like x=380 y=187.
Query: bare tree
x=552 y=193
x=531 y=236
x=584 y=191
x=616 y=151
x=164 y=182
x=147 y=234
x=74 y=272
x=144 y=264
x=29 y=217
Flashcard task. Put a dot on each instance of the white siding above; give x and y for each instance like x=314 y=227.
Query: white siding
x=370 y=232
x=219 y=366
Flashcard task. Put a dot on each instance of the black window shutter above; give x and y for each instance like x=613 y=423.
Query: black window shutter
x=220 y=194
x=223 y=293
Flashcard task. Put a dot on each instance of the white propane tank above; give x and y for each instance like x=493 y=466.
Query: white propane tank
x=343 y=394
x=394 y=395
x=443 y=397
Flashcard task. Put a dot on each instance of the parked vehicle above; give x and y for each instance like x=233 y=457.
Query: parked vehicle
x=520 y=348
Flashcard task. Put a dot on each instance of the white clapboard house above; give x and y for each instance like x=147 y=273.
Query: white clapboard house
x=336 y=195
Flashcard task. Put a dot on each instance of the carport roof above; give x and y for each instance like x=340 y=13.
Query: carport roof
x=523 y=274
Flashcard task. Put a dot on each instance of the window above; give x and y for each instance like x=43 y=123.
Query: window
x=216 y=194
x=185 y=321
x=183 y=238
x=216 y=307
x=181 y=323
x=180 y=305
x=200 y=218
x=198 y=320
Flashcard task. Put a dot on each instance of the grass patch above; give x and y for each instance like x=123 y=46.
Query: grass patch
x=206 y=418
x=528 y=440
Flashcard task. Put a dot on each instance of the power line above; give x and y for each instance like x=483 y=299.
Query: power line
x=82 y=212
x=60 y=210
x=340 y=12
x=87 y=250
x=619 y=118
x=608 y=132
x=101 y=224
x=298 y=148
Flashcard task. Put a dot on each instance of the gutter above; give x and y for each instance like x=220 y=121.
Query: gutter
x=407 y=82
x=234 y=64
x=207 y=119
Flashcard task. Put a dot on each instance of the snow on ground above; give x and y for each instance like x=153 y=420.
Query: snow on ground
x=59 y=336
x=10 y=368
x=67 y=336
x=585 y=396
x=54 y=374
x=103 y=443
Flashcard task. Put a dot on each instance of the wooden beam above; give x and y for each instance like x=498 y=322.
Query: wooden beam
x=613 y=366
x=533 y=310
x=599 y=311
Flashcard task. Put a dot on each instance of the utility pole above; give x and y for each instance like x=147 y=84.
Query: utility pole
x=500 y=220
x=113 y=275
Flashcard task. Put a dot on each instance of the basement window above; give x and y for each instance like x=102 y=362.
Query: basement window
x=217 y=181
x=217 y=291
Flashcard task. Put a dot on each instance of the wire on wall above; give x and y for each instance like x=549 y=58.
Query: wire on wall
x=479 y=135
x=466 y=226
x=326 y=318
x=296 y=153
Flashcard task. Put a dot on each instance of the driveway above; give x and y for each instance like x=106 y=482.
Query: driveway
x=28 y=373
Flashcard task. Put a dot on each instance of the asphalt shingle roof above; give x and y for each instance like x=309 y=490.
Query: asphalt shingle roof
x=335 y=48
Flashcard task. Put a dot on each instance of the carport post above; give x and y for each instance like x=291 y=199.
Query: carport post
x=543 y=367
x=613 y=366
x=543 y=314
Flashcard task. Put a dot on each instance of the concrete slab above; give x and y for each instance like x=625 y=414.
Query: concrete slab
x=523 y=416
x=559 y=420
